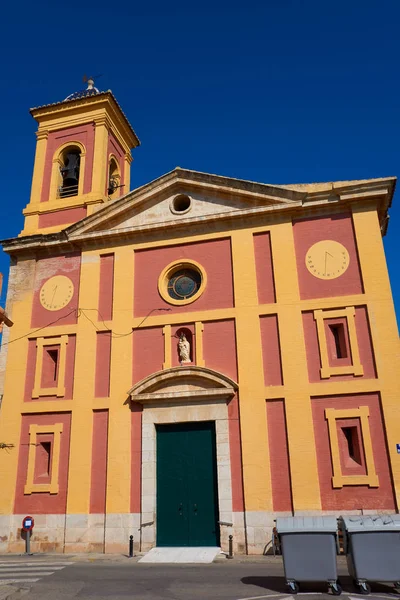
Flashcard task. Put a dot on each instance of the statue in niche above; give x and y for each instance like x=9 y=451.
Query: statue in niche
x=184 y=349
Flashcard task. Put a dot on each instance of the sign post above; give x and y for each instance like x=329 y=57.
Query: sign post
x=27 y=526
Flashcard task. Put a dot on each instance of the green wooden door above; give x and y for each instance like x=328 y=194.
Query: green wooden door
x=187 y=499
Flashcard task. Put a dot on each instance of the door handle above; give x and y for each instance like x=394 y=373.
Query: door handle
x=195 y=508
x=180 y=508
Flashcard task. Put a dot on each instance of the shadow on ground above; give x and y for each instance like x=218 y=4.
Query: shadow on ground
x=277 y=584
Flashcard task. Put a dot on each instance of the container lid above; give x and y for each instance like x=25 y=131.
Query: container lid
x=371 y=522
x=306 y=524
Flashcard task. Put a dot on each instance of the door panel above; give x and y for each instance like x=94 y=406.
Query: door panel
x=187 y=500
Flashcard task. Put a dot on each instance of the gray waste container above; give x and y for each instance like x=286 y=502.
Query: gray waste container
x=372 y=546
x=309 y=546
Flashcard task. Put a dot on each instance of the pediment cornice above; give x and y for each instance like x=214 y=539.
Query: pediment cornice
x=186 y=383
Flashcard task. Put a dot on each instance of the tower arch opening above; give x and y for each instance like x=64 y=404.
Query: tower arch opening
x=70 y=161
x=114 y=176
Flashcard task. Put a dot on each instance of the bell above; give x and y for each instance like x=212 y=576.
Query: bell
x=70 y=170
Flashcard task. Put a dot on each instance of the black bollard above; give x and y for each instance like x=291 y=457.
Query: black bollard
x=230 y=553
x=131 y=546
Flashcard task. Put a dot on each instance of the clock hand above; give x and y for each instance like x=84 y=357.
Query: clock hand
x=54 y=293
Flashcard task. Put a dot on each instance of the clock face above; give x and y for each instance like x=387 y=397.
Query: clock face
x=327 y=259
x=56 y=292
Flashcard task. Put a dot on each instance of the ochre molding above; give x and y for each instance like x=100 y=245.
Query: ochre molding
x=58 y=390
x=173 y=268
x=167 y=347
x=339 y=480
x=327 y=370
x=198 y=336
x=52 y=486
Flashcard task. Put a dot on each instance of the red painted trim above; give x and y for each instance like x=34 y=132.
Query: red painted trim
x=279 y=456
x=106 y=287
x=98 y=484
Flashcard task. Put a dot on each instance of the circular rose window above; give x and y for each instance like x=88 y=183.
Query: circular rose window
x=182 y=282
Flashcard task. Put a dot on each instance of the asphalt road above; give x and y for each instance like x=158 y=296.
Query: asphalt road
x=228 y=580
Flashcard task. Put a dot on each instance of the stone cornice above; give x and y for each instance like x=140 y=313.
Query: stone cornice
x=84 y=105
x=269 y=203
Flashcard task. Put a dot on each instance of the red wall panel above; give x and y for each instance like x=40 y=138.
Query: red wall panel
x=264 y=268
x=214 y=256
x=83 y=134
x=279 y=456
x=69 y=371
x=68 y=265
x=364 y=346
x=352 y=497
x=98 y=482
x=148 y=352
x=42 y=502
x=136 y=457
x=271 y=350
x=309 y=231
x=103 y=362
x=219 y=347
x=106 y=287
x=62 y=217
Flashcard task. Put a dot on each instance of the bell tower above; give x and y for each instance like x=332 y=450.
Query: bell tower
x=83 y=158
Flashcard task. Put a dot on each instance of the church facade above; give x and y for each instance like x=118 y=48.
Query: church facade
x=192 y=358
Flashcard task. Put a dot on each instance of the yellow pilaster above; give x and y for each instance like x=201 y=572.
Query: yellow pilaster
x=303 y=461
x=383 y=325
x=127 y=173
x=255 y=451
x=100 y=167
x=80 y=461
x=38 y=169
x=119 y=429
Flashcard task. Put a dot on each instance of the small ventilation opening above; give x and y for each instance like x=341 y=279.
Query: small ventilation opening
x=339 y=340
x=181 y=203
x=45 y=462
x=53 y=356
x=353 y=443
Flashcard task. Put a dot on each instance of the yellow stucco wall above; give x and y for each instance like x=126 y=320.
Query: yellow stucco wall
x=296 y=390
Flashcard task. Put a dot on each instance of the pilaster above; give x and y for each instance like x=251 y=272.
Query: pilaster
x=255 y=451
x=303 y=460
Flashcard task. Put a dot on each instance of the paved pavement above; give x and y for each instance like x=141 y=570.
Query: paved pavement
x=118 y=578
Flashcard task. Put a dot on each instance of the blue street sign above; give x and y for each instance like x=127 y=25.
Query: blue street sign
x=28 y=523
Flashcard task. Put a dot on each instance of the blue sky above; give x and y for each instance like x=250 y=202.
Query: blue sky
x=277 y=91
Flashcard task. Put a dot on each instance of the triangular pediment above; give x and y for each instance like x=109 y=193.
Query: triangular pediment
x=184 y=383
x=206 y=196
